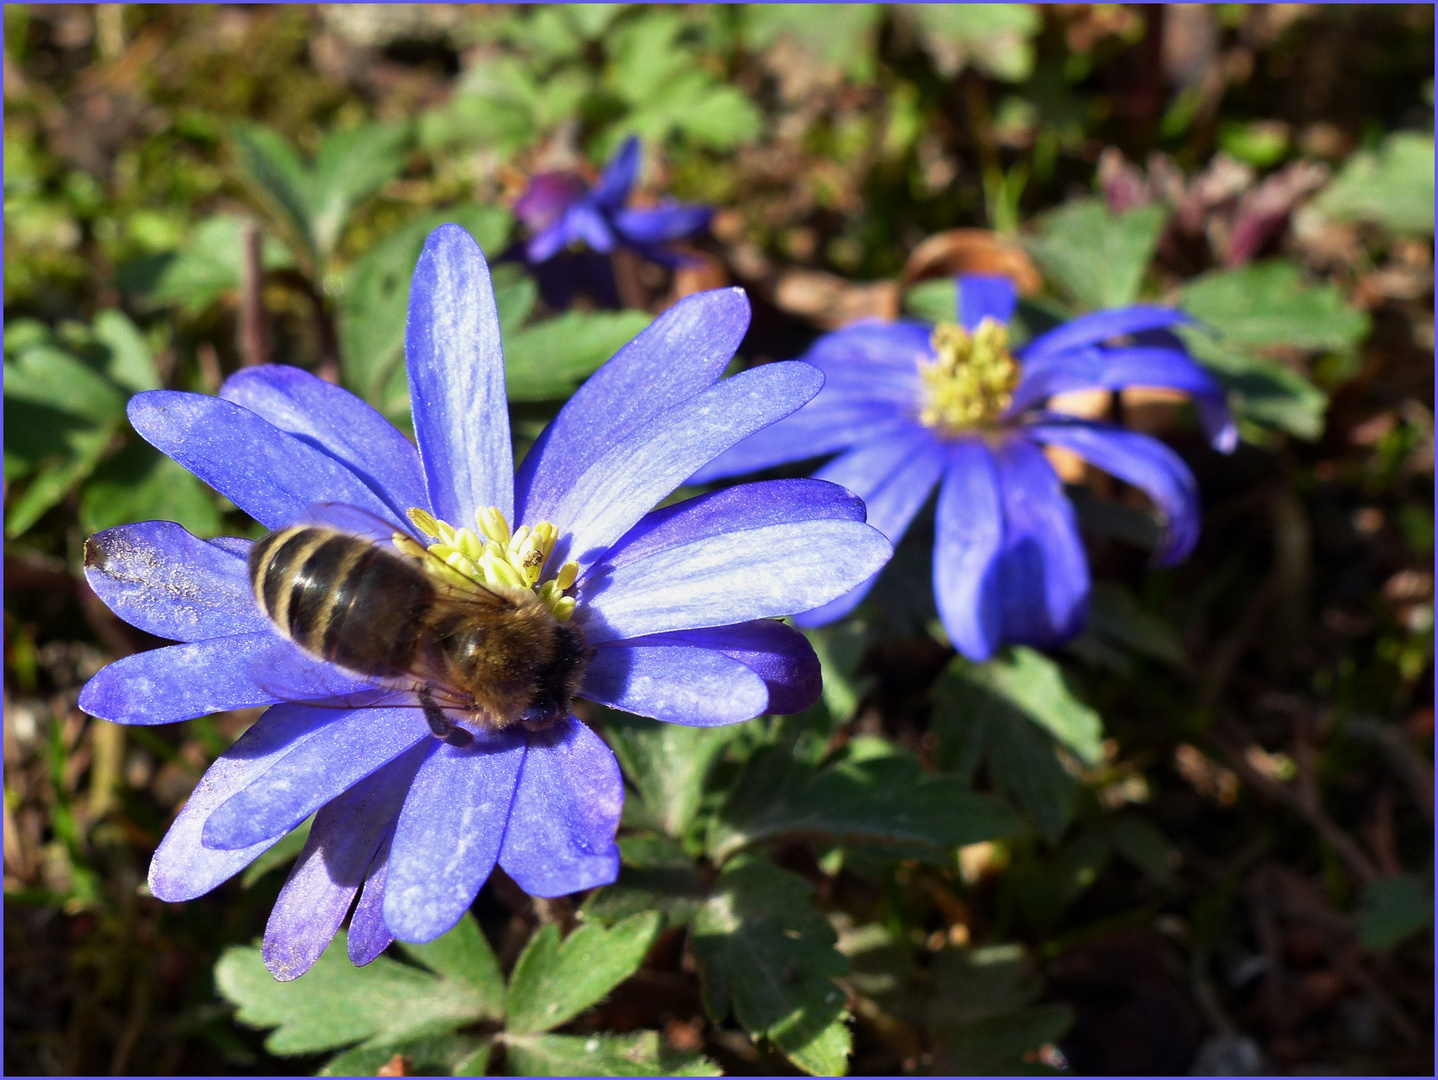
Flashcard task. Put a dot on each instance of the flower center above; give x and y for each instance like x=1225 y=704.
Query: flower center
x=971 y=379
x=494 y=557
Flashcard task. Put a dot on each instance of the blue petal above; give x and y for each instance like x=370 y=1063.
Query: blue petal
x=547 y=243
x=157 y=576
x=560 y=836
x=1145 y=463
x=618 y=176
x=894 y=475
x=337 y=423
x=674 y=682
x=637 y=472
x=336 y=858
x=679 y=354
x=873 y=359
x=984 y=296
x=183 y=868
x=777 y=653
x=449 y=834
x=338 y=756
x=456 y=380
x=584 y=222
x=268 y=474
x=1116 y=368
x=1043 y=572
x=661 y=223
x=969 y=535
x=369 y=936
x=1099 y=326
x=715 y=581
x=818 y=429
x=745 y=506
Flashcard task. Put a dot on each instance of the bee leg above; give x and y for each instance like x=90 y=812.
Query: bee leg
x=458 y=737
x=439 y=726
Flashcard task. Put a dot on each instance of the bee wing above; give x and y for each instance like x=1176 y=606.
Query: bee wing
x=288 y=673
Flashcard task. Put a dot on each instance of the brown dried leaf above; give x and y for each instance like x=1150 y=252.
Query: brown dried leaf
x=972 y=251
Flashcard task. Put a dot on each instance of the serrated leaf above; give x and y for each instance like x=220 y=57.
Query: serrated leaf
x=546 y=361
x=667 y=764
x=438 y=1055
x=130 y=363
x=1268 y=303
x=554 y=981
x=1097 y=257
x=656 y=875
x=349 y=167
x=884 y=800
x=142 y=484
x=204 y=269
x=376 y=298
x=278 y=176
x=980 y=1012
x=996 y=38
x=766 y=955
x=638 y=1053
x=1393 y=909
x=335 y=1003
x=1260 y=390
x=1035 y=686
x=838 y=35
x=463 y=955
x=1392 y=188
x=975 y=715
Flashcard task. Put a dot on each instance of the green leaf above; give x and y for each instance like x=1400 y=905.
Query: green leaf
x=1392 y=188
x=638 y=1053
x=667 y=764
x=995 y=38
x=980 y=1012
x=287 y=849
x=463 y=955
x=545 y=362
x=1267 y=303
x=656 y=875
x=350 y=167
x=1393 y=909
x=130 y=363
x=838 y=35
x=208 y=266
x=1260 y=390
x=51 y=377
x=1117 y=626
x=554 y=981
x=335 y=1003
x=766 y=955
x=437 y=1055
x=376 y=297
x=1097 y=257
x=280 y=179
x=884 y=800
x=142 y=484
x=984 y=709
x=1034 y=685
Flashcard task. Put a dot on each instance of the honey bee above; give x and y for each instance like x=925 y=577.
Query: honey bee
x=498 y=656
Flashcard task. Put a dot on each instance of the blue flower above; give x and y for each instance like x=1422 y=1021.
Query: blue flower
x=560 y=212
x=912 y=407
x=677 y=605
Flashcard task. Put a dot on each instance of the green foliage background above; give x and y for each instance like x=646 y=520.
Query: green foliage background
x=1199 y=836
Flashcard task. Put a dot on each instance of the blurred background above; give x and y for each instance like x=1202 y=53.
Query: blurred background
x=1244 y=880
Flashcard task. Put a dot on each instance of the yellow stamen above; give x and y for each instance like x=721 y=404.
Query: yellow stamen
x=971 y=380
x=494 y=557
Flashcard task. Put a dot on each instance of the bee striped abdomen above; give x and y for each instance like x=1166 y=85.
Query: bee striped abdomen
x=342 y=598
